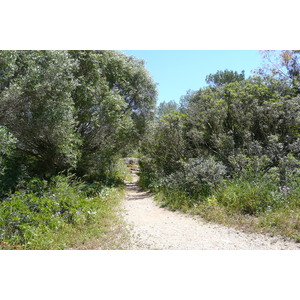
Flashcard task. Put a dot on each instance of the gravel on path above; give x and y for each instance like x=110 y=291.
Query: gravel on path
x=152 y=227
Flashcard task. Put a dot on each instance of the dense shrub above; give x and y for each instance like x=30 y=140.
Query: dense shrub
x=247 y=125
x=149 y=176
x=231 y=148
x=10 y=168
x=37 y=108
x=197 y=177
x=42 y=206
x=7 y=145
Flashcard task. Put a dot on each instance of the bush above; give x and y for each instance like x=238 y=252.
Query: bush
x=41 y=206
x=9 y=170
x=245 y=196
x=198 y=177
x=7 y=145
x=148 y=175
x=174 y=199
x=260 y=194
x=201 y=171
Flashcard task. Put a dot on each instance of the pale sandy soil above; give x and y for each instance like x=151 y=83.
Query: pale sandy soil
x=152 y=227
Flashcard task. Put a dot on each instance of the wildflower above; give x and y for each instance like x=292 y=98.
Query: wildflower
x=284 y=188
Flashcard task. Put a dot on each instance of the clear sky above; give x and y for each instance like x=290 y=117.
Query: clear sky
x=177 y=71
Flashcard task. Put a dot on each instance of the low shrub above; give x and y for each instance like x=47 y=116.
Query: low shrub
x=283 y=221
x=148 y=175
x=174 y=199
x=197 y=178
x=248 y=197
x=41 y=206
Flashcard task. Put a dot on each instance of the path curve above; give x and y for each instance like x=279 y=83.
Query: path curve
x=152 y=227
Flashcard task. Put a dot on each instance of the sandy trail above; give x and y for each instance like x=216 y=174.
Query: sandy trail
x=152 y=227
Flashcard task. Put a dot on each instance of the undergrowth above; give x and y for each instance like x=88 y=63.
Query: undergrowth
x=63 y=213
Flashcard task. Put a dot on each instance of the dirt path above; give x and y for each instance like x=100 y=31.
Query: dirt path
x=152 y=227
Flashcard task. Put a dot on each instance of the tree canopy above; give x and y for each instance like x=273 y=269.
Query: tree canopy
x=222 y=77
x=73 y=110
x=236 y=124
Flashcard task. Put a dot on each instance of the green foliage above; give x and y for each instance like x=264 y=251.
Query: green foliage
x=7 y=68
x=222 y=77
x=232 y=147
x=7 y=145
x=149 y=176
x=73 y=110
x=283 y=66
x=248 y=197
x=174 y=199
x=103 y=135
x=198 y=177
x=165 y=108
x=165 y=143
x=247 y=126
x=40 y=207
x=114 y=99
x=132 y=81
x=65 y=112
x=37 y=108
x=8 y=167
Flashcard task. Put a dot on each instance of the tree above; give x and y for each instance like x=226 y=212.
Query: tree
x=114 y=99
x=165 y=143
x=242 y=125
x=222 y=77
x=73 y=110
x=167 y=107
x=283 y=66
x=127 y=76
x=7 y=145
x=37 y=108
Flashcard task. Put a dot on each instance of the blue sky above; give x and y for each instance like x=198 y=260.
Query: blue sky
x=177 y=71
